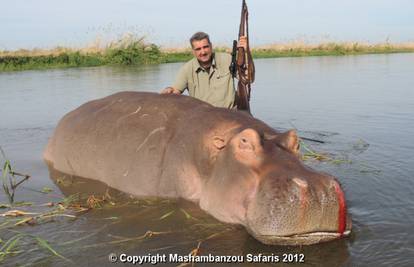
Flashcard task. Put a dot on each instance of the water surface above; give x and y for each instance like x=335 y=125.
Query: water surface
x=362 y=107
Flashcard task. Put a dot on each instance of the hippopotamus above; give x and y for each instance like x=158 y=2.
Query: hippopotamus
x=237 y=168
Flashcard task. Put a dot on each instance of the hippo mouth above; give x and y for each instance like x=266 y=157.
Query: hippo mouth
x=307 y=238
x=301 y=239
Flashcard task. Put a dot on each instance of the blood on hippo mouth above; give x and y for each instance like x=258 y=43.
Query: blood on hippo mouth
x=301 y=239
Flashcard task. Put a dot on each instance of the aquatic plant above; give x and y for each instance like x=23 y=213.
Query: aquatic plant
x=10 y=178
x=309 y=153
x=12 y=246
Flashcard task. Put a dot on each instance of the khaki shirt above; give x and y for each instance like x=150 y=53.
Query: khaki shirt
x=215 y=87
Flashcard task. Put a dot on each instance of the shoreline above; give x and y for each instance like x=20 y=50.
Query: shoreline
x=137 y=52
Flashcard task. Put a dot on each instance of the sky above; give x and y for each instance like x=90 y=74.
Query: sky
x=32 y=24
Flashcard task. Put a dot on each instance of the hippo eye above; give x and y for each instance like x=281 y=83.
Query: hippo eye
x=244 y=140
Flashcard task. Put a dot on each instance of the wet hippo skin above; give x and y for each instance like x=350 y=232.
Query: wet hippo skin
x=235 y=166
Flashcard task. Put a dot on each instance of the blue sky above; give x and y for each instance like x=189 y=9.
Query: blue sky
x=49 y=23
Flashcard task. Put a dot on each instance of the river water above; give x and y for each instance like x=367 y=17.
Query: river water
x=362 y=107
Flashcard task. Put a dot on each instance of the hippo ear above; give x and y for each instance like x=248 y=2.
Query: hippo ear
x=219 y=142
x=215 y=146
x=289 y=141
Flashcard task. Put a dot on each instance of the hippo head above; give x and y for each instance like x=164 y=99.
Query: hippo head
x=259 y=181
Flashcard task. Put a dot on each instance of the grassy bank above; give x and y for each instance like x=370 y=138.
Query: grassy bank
x=330 y=49
x=132 y=53
x=138 y=52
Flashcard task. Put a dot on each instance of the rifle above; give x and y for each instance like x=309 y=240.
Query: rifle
x=233 y=59
x=243 y=63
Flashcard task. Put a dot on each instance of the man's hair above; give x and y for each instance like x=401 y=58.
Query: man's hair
x=198 y=36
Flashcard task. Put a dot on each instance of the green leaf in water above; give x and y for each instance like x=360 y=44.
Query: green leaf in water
x=8 y=246
x=111 y=218
x=22 y=204
x=4 y=206
x=46 y=190
x=44 y=244
x=187 y=215
x=167 y=215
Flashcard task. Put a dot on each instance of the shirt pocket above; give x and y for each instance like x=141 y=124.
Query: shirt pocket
x=223 y=74
x=222 y=81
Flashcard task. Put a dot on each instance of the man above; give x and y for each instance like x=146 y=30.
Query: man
x=207 y=76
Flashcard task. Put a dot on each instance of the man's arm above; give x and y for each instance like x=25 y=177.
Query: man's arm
x=180 y=84
x=233 y=65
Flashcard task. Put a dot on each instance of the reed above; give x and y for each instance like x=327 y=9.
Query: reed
x=294 y=49
x=10 y=178
x=129 y=50
x=135 y=50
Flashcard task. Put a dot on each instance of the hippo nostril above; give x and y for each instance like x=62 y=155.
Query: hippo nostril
x=332 y=184
x=301 y=183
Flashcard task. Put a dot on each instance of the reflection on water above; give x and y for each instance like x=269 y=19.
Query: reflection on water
x=361 y=106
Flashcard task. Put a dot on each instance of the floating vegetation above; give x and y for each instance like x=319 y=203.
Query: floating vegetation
x=16 y=213
x=187 y=215
x=365 y=168
x=309 y=153
x=167 y=215
x=67 y=207
x=13 y=246
x=94 y=202
x=116 y=239
x=194 y=252
x=46 y=190
x=359 y=146
x=62 y=181
x=16 y=204
x=8 y=247
x=29 y=245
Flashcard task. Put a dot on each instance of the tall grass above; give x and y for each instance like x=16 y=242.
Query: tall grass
x=133 y=50
x=126 y=51
x=330 y=48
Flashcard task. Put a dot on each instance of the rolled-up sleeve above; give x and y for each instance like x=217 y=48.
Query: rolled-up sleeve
x=181 y=81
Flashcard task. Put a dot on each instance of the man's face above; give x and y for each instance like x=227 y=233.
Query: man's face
x=202 y=50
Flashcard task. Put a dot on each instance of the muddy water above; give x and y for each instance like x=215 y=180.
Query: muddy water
x=362 y=107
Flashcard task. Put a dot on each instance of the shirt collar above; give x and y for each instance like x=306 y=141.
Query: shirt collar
x=198 y=67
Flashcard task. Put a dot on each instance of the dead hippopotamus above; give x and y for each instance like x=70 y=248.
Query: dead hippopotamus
x=236 y=167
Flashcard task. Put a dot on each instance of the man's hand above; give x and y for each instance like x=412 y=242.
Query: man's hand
x=242 y=42
x=170 y=90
